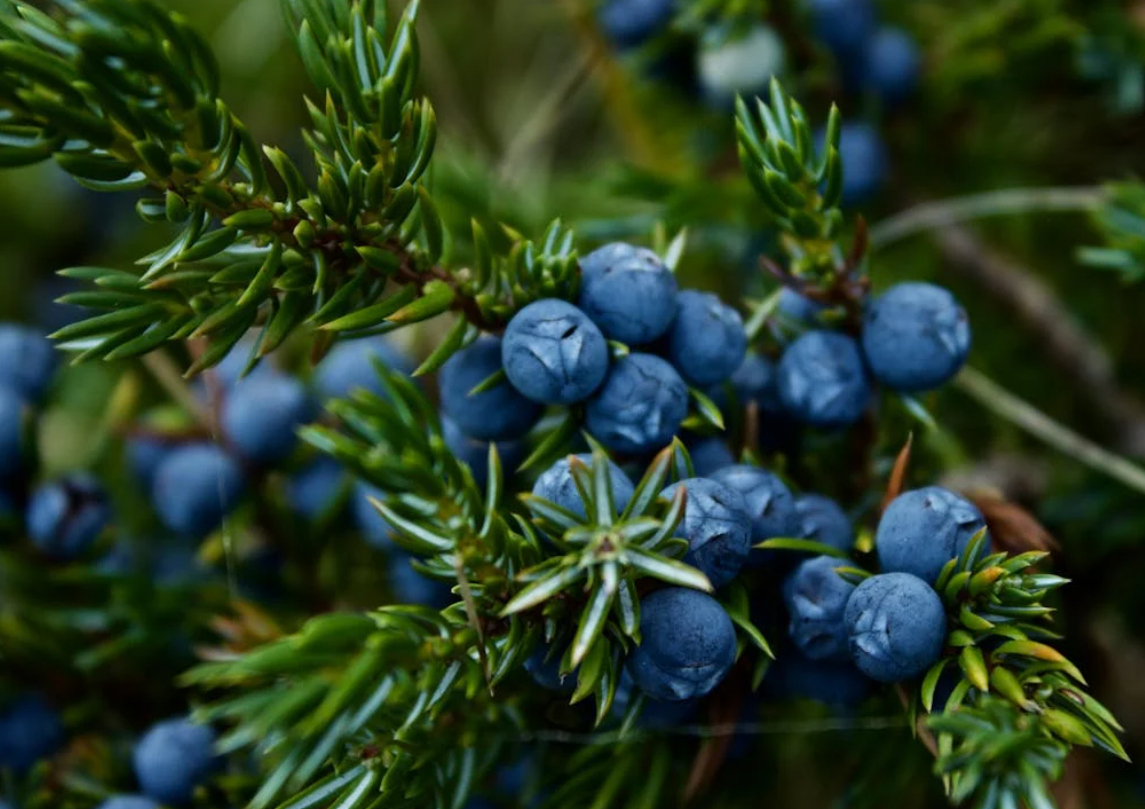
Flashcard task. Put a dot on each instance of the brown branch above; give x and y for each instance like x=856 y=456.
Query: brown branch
x=922 y=731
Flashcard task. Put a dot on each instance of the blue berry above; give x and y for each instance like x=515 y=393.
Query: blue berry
x=349 y=366
x=717 y=527
x=557 y=484
x=709 y=455
x=753 y=382
x=740 y=64
x=195 y=487
x=839 y=685
x=30 y=729
x=544 y=666
x=317 y=488
x=628 y=293
x=498 y=414
x=707 y=342
x=799 y=308
x=14 y=414
x=822 y=380
x=915 y=337
x=553 y=354
x=144 y=454
x=821 y=519
x=893 y=63
x=688 y=645
x=656 y=714
x=816 y=597
x=628 y=23
x=173 y=758
x=845 y=26
x=129 y=802
x=640 y=406
x=229 y=372
x=864 y=162
x=373 y=526
x=474 y=453
x=66 y=517
x=896 y=626
x=261 y=417
x=923 y=529
x=27 y=361
x=767 y=501
x=411 y=587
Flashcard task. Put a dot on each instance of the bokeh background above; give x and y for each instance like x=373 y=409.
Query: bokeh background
x=540 y=118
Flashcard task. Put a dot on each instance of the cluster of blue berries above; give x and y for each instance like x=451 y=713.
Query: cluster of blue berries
x=556 y=353
x=914 y=338
x=884 y=60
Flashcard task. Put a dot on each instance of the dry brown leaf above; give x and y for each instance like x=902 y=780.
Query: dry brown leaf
x=1012 y=528
x=898 y=474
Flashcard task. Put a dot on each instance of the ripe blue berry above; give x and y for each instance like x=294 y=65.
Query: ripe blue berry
x=717 y=527
x=766 y=498
x=628 y=23
x=349 y=366
x=195 y=487
x=709 y=455
x=628 y=293
x=836 y=684
x=688 y=645
x=799 y=308
x=411 y=587
x=129 y=802
x=864 y=160
x=816 y=597
x=753 y=382
x=474 y=453
x=30 y=729
x=896 y=626
x=640 y=406
x=173 y=758
x=821 y=519
x=373 y=526
x=923 y=529
x=317 y=488
x=144 y=454
x=915 y=337
x=845 y=26
x=544 y=666
x=13 y=433
x=656 y=714
x=261 y=417
x=553 y=354
x=66 y=517
x=893 y=63
x=706 y=342
x=27 y=361
x=557 y=484
x=498 y=414
x=822 y=380
x=738 y=64
x=229 y=372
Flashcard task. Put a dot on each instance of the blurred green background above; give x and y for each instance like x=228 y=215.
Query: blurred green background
x=538 y=119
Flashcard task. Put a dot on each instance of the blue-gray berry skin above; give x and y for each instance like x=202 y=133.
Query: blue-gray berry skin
x=839 y=685
x=717 y=527
x=27 y=361
x=822 y=520
x=349 y=366
x=544 y=666
x=144 y=454
x=628 y=23
x=896 y=627
x=845 y=26
x=195 y=487
x=498 y=414
x=754 y=382
x=317 y=488
x=768 y=501
x=66 y=516
x=13 y=418
x=688 y=645
x=656 y=714
x=376 y=531
x=923 y=529
x=640 y=406
x=822 y=381
x=128 y=802
x=709 y=455
x=816 y=598
x=706 y=342
x=261 y=416
x=628 y=293
x=474 y=453
x=892 y=64
x=864 y=158
x=553 y=354
x=30 y=729
x=173 y=758
x=556 y=484
x=915 y=337
x=799 y=308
